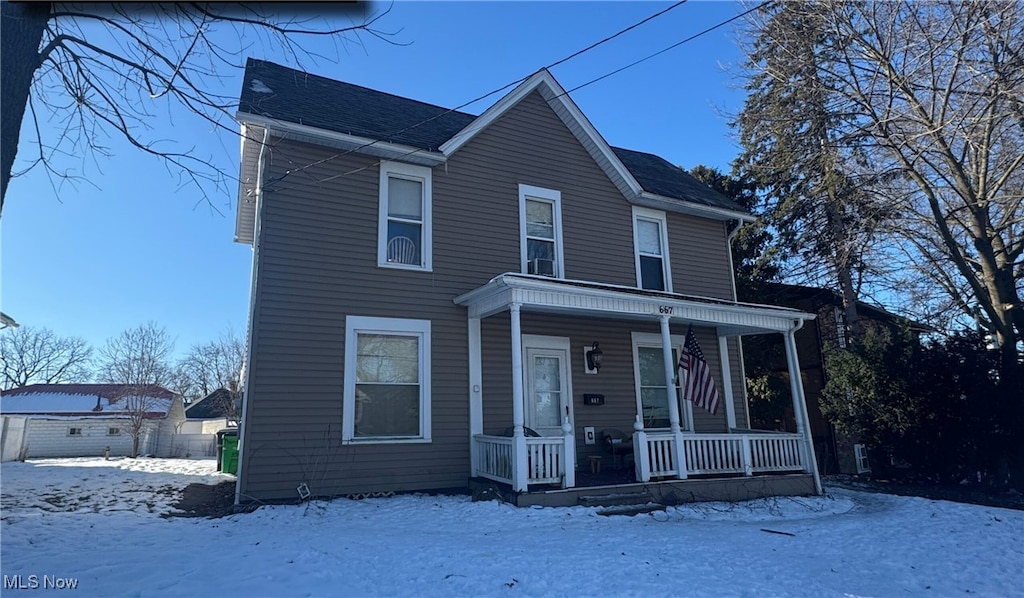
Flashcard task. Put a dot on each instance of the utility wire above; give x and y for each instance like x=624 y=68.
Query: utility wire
x=760 y=6
x=672 y=47
x=490 y=93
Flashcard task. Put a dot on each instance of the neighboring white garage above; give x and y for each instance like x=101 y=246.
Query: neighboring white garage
x=82 y=420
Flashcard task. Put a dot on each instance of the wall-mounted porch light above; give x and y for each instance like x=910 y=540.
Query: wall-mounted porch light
x=594 y=357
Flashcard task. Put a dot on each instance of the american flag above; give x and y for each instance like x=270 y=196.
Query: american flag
x=699 y=386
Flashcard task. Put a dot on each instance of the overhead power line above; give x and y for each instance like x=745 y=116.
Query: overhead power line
x=672 y=47
x=691 y=38
x=490 y=93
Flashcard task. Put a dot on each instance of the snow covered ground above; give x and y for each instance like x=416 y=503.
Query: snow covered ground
x=96 y=524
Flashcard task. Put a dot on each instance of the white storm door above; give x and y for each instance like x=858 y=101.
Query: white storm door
x=548 y=389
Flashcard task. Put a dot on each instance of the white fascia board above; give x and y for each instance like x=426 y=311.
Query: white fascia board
x=363 y=145
x=248 y=170
x=681 y=206
x=732 y=319
x=556 y=96
x=243 y=187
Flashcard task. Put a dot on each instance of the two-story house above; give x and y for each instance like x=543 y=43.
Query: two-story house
x=439 y=297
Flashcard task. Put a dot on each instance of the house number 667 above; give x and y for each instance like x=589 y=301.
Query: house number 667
x=665 y=309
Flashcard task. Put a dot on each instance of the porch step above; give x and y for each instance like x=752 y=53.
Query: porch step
x=630 y=510
x=615 y=499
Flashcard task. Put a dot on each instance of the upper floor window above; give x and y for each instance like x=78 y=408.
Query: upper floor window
x=650 y=239
x=404 y=230
x=540 y=231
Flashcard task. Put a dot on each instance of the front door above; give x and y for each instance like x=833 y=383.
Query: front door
x=547 y=386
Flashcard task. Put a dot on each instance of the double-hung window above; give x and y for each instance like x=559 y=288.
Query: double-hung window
x=540 y=231
x=651 y=385
x=404 y=229
x=650 y=236
x=387 y=380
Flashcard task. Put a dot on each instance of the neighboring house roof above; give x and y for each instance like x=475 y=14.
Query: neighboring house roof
x=212 y=405
x=788 y=294
x=92 y=400
x=273 y=96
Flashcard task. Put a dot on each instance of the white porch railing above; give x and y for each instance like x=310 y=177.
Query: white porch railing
x=493 y=457
x=546 y=459
x=776 y=452
x=745 y=454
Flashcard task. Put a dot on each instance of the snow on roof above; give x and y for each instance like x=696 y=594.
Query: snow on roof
x=84 y=400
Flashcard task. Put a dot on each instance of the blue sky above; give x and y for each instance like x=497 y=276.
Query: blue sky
x=134 y=246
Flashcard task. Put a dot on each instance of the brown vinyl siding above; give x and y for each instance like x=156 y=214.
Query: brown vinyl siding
x=318 y=264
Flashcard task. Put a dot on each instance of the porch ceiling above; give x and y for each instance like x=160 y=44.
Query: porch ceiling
x=585 y=298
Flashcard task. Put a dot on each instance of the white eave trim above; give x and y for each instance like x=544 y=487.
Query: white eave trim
x=542 y=294
x=363 y=145
x=557 y=97
x=681 y=206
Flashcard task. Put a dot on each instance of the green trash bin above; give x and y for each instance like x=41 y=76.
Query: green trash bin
x=229 y=454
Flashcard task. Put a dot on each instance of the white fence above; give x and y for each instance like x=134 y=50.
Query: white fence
x=193 y=445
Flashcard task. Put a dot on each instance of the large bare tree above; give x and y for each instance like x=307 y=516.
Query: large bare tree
x=138 y=360
x=31 y=355
x=928 y=104
x=210 y=366
x=938 y=91
x=99 y=70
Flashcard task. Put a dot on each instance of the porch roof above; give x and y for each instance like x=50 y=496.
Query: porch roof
x=586 y=298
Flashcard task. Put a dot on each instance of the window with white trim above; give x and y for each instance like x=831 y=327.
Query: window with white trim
x=860 y=453
x=113 y=431
x=387 y=380
x=540 y=231
x=74 y=431
x=650 y=241
x=649 y=378
x=404 y=228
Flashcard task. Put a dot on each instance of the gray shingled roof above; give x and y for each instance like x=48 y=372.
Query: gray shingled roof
x=274 y=91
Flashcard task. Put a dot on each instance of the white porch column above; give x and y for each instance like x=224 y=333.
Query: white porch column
x=476 y=397
x=723 y=358
x=672 y=394
x=520 y=475
x=803 y=427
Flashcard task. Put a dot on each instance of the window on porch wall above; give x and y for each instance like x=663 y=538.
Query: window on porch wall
x=652 y=390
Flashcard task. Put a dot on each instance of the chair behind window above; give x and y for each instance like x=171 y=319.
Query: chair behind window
x=402 y=250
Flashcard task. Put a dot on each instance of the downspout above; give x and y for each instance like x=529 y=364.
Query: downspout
x=260 y=173
x=797 y=382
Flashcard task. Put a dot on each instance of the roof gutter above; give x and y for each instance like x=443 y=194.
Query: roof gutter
x=672 y=204
x=355 y=143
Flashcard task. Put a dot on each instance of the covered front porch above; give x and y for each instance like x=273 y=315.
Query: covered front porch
x=664 y=443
